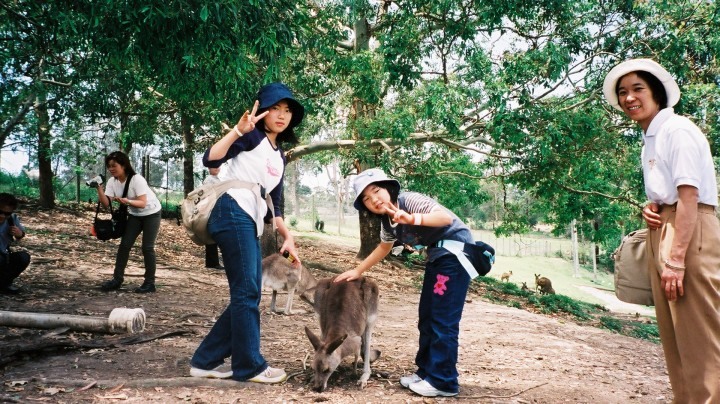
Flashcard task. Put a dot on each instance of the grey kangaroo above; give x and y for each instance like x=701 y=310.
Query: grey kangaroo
x=347 y=312
x=279 y=274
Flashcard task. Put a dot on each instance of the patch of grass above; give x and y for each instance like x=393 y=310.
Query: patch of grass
x=646 y=331
x=508 y=294
x=516 y=305
x=560 y=303
x=631 y=328
x=417 y=280
x=611 y=323
x=412 y=260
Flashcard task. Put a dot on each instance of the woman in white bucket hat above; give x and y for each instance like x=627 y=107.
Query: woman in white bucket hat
x=684 y=239
x=416 y=219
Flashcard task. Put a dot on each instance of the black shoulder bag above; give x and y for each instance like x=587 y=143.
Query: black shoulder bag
x=106 y=229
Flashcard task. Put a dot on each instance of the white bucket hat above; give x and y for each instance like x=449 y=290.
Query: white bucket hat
x=371 y=176
x=647 y=65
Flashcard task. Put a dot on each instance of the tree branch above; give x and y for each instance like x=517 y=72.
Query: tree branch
x=57 y=83
x=417 y=138
x=595 y=193
x=17 y=118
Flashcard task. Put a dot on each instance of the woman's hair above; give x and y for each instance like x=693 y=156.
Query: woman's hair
x=656 y=87
x=286 y=136
x=122 y=159
x=8 y=200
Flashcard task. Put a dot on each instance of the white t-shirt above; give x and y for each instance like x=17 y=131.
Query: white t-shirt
x=253 y=158
x=677 y=153
x=138 y=187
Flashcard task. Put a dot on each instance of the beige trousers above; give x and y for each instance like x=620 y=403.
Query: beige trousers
x=690 y=326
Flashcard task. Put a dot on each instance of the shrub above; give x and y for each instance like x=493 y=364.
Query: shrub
x=611 y=323
x=561 y=303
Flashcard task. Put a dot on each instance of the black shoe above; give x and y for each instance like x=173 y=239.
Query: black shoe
x=9 y=290
x=146 y=287
x=112 y=284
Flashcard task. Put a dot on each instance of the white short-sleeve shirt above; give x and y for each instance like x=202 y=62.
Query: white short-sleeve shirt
x=677 y=153
x=138 y=187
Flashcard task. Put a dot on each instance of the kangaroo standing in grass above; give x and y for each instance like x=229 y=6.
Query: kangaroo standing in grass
x=543 y=285
x=347 y=312
x=279 y=274
x=505 y=276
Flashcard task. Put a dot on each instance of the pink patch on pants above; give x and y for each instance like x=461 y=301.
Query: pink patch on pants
x=440 y=286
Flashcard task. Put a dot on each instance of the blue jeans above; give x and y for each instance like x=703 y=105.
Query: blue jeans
x=236 y=332
x=441 y=305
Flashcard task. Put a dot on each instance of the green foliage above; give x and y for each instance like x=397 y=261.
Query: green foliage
x=293 y=221
x=644 y=331
x=633 y=328
x=611 y=323
x=561 y=303
x=495 y=101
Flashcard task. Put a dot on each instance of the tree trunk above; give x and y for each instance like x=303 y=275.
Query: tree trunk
x=270 y=241
x=47 y=194
x=77 y=173
x=125 y=141
x=369 y=233
x=369 y=223
x=574 y=238
x=189 y=143
x=291 y=173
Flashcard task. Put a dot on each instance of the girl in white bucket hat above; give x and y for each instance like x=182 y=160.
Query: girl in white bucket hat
x=416 y=219
x=684 y=239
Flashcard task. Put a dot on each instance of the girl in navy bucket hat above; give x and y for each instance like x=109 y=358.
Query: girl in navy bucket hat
x=252 y=153
x=416 y=219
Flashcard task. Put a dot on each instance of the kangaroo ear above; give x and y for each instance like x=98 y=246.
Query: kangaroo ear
x=314 y=340
x=335 y=344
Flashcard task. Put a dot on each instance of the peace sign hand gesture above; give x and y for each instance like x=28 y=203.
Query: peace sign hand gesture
x=399 y=215
x=248 y=120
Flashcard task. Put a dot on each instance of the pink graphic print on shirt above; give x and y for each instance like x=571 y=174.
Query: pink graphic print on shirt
x=440 y=286
x=271 y=170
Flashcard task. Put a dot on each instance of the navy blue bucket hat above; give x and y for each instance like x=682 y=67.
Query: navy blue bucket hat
x=271 y=94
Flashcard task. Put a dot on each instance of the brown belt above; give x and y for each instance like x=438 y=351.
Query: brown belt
x=701 y=207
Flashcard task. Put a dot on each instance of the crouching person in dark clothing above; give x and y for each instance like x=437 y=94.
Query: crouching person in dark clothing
x=12 y=263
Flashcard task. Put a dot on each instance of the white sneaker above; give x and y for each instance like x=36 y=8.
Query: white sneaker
x=270 y=375
x=221 y=372
x=406 y=381
x=425 y=389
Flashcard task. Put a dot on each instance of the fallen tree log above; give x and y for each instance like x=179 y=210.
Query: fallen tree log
x=120 y=320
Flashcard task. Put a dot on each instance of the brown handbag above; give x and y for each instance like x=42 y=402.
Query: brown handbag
x=632 y=280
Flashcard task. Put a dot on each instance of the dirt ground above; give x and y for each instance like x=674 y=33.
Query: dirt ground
x=506 y=354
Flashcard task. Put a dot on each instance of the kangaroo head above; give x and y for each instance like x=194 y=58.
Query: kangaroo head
x=326 y=360
x=537 y=276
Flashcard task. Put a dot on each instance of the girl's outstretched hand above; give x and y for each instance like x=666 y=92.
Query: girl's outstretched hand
x=348 y=276
x=249 y=119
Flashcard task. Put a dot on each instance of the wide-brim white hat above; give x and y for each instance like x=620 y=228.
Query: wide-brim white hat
x=371 y=176
x=647 y=65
